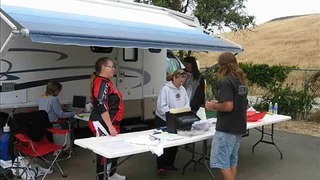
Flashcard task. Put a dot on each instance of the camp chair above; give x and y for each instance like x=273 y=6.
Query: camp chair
x=65 y=123
x=33 y=133
x=69 y=141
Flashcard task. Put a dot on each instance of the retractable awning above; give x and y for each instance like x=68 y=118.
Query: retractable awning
x=108 y=24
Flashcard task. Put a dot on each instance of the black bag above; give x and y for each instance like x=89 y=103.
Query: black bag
x=33 y=124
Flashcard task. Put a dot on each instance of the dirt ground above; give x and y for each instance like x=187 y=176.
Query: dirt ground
x=300 y=127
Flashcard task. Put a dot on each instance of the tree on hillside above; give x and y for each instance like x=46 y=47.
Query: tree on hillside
x=211 y=13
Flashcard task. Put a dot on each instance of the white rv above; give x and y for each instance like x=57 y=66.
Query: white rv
x=61 y=40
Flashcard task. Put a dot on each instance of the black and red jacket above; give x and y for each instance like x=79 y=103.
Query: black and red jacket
x=106 y=98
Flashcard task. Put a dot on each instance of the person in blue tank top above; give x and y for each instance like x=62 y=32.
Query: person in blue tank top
x=231 y=108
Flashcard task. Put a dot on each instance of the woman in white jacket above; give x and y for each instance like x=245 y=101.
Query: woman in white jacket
x=172 y=95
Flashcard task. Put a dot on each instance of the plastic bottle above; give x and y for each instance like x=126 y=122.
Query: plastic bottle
x=270 y=107
x=4 y=141
x=0 y=147
x=275 y=108
x=0 y=143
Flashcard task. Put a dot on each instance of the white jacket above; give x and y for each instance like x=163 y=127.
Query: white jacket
x=171 y=97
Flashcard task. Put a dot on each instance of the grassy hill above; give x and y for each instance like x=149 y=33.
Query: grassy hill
x=285 y=41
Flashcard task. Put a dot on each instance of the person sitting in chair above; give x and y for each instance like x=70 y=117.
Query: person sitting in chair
x=50 y=102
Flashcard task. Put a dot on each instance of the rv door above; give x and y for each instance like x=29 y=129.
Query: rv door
x=129 y=80
x=129 y=73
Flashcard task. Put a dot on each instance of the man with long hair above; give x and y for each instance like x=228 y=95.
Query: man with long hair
x=231 y=108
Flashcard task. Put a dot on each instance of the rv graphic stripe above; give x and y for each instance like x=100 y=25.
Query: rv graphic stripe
x=43 y=69
x=62 y=55
x=46 y=81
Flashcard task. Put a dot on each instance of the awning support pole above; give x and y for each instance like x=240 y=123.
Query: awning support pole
x=13 y=34
x=5 y=46
x=6 y=20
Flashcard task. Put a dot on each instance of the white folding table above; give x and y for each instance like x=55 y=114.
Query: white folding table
x=119 y=146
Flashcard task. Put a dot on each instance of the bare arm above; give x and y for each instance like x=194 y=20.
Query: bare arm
x=226 y=106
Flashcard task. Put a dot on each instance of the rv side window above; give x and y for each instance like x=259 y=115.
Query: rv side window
x=97 y=49
x=154 y=50
x=130 y=54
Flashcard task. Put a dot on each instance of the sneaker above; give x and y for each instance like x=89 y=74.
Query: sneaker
x=162 y=173
x=117 y=176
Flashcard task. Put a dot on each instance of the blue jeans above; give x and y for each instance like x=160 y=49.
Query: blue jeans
x=224 y=150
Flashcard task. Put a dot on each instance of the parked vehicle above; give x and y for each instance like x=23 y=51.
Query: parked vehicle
x=44 y=41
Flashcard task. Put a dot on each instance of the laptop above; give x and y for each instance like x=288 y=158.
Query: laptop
x=79 y=103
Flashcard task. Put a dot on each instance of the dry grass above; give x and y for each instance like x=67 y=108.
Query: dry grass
x=315 y=117
x=293 y=41
x=300 y=127
x=309 y=127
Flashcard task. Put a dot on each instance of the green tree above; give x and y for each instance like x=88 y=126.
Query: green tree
x=171 y=4
x=211 y=13
x=219 y=13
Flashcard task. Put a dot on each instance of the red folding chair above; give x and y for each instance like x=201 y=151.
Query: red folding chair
x=69 y=143
x=32 y=131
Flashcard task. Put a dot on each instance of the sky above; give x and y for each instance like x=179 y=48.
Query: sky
x=265 y=10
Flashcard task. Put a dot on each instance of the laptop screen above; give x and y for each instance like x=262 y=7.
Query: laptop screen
x=79 y=102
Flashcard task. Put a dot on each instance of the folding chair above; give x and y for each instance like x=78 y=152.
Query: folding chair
x=32 y=131
x=69 y=144
x=65 y=124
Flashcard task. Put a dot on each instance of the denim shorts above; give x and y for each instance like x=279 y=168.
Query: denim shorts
x=224 y=150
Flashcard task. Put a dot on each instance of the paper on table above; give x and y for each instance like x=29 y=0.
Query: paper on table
x=115 y=144
x=202 y=113
x=168 y=136
x=140 y=140
x=212 y=120
x=154 y=146
x=84 y=114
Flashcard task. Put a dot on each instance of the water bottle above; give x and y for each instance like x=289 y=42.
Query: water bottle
x=0 y=143
x=270 y=107
x=0 y=147
x=4 y=141
x=275 y=108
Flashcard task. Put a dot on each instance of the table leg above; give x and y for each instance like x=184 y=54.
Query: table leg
x=105 y=177
x=203 y=157
x=78 y=123
x=201 y=160
x=191 y=160
x=94 y=164
x=261 y=140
